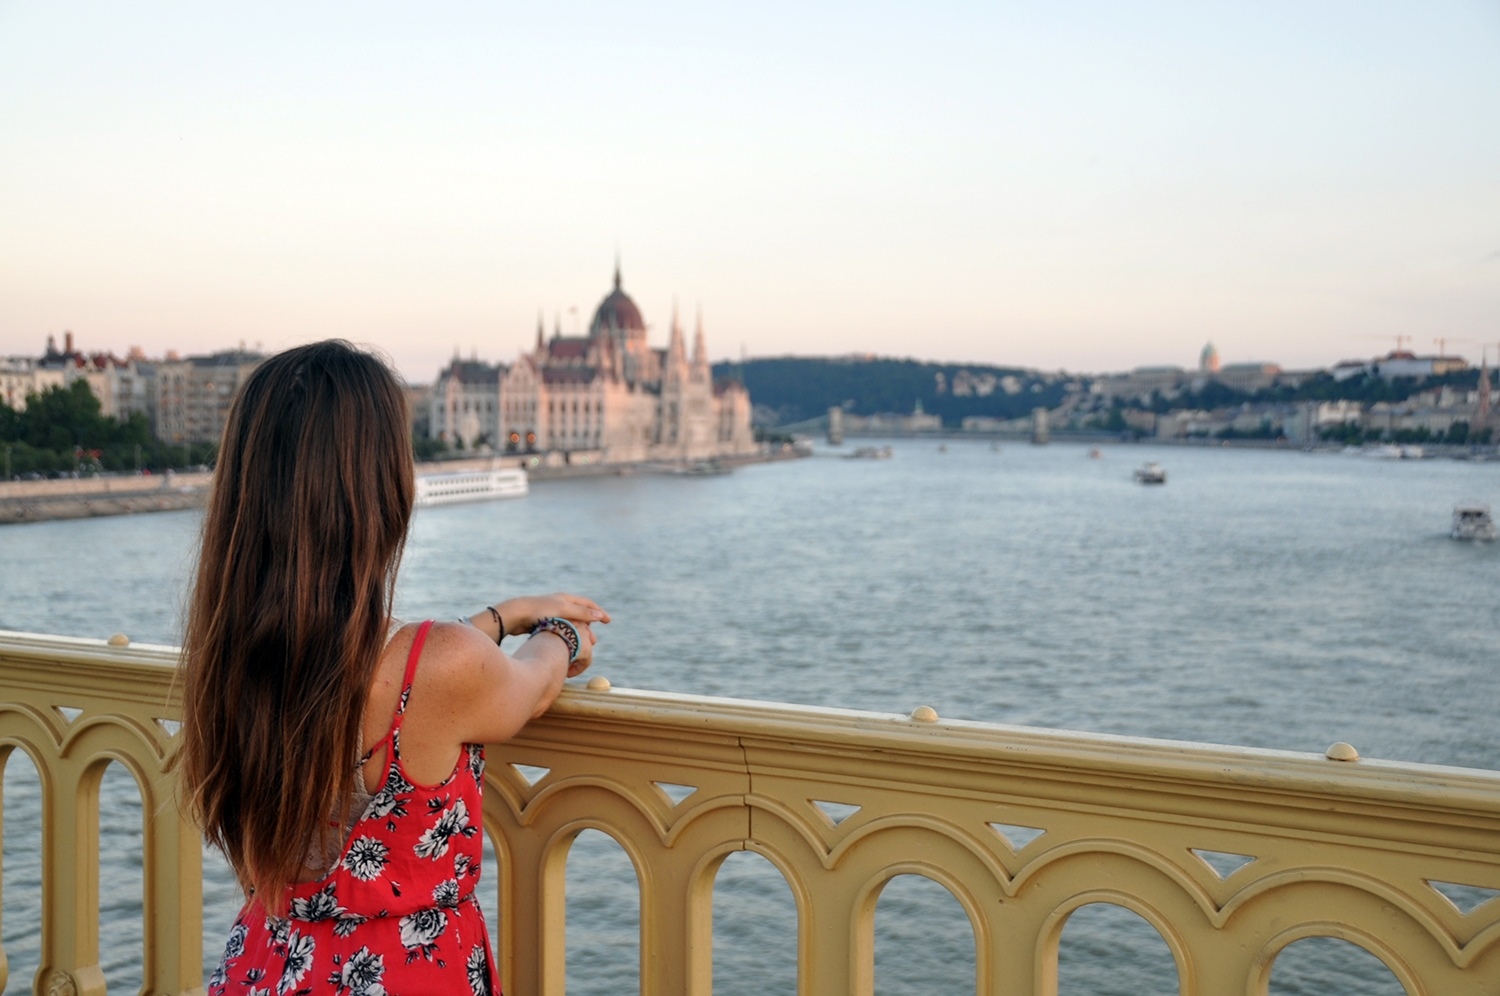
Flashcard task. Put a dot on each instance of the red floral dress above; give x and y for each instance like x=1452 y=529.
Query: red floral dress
x=397 y=915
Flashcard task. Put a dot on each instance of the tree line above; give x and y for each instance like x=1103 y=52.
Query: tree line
x=789 y=389
x=62 y=431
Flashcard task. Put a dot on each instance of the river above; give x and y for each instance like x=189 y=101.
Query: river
x=1263 y=598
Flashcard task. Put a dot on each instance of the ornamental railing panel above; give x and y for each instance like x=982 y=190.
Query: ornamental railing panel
x=1231 y=854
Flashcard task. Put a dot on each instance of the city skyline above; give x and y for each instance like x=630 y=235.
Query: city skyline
x=1088 y=188
x=496 y=352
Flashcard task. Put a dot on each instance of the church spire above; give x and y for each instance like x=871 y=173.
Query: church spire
x=539 y=330
x=700 y=349
x=676 y=351
x=617 y=269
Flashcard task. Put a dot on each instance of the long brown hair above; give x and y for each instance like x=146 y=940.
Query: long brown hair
x=291 y=604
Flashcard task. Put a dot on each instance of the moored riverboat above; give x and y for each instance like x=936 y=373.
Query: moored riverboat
x=471 y=485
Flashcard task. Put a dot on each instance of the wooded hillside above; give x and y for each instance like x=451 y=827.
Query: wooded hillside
x=787 y=389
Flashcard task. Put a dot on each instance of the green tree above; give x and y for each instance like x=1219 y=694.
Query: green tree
x=61 y=418
x=426 y=448
x=10 y=423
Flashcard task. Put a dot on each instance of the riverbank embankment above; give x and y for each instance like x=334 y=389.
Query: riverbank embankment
x=88 y=497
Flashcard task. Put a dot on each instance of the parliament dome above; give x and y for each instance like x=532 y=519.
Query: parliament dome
x=617 y=311
x=1208 y=360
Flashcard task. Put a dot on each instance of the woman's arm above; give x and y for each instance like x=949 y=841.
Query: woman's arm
x=484 y=695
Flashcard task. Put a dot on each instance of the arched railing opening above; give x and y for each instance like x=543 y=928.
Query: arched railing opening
x=21 y=871
x=755 y=929
x=923 y=939
x=121 y=903
x=1107 y=950
x=603 y=917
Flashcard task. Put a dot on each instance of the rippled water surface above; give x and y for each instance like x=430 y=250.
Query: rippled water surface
x=1260 y=598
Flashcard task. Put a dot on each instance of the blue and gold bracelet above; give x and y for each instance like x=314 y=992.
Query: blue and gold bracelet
x=564 y=629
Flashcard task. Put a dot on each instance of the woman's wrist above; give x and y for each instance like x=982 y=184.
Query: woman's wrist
x=563 y=630
x=498 y=618
x=513 y=611
x=486 y=619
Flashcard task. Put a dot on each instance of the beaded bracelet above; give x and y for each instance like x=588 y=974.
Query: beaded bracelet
x=564 y=629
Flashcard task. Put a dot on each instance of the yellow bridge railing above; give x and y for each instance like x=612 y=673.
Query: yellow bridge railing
x=1365 y=851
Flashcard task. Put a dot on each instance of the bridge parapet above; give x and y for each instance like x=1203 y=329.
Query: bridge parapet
x=1230 y=853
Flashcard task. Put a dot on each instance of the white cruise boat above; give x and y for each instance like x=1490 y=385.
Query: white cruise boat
x=1151 y=473
x=1472 y=521
x=471 y=485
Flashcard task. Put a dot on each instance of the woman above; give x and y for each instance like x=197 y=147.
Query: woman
x=333 y=755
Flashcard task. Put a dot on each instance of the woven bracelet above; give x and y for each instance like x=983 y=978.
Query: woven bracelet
x=498 y=622
x=564 y=629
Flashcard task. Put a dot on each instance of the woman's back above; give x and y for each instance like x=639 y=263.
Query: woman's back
x=397 y=913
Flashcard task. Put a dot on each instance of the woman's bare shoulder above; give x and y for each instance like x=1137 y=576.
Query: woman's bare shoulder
x=453 y=658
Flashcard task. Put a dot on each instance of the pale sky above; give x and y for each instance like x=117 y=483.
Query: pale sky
x=1076 y=185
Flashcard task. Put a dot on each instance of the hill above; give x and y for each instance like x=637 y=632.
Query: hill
x=788 y=389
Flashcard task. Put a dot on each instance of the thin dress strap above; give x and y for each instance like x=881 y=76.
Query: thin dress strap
x=392 y=736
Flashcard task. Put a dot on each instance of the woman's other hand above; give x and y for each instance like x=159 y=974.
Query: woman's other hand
x=521 y=614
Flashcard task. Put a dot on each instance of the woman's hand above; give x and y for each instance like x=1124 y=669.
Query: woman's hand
x=520 y=614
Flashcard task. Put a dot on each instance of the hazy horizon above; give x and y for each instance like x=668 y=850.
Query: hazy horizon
x=1087 y=187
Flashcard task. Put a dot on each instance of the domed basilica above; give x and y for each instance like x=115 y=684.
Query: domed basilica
x=611 y=395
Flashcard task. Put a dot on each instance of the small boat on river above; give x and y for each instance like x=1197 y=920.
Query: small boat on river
x=471 y=485
x=870 y=453
x=1472 y=521
x=1151 y=473
x=692 y=468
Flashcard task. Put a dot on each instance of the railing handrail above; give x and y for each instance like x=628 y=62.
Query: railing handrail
x=1427 y=794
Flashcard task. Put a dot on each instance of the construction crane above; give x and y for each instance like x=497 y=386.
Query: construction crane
x=1442 y=343
x=1401 y=340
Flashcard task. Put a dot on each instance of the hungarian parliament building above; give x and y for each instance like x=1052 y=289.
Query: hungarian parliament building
x=608 y=396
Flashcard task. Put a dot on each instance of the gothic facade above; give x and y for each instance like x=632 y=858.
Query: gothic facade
x=464 y=405
x=612 y=394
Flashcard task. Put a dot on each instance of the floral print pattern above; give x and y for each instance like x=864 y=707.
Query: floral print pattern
x=454 y=821
x=397 y=914
x=360 y=974
x=478 y=969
